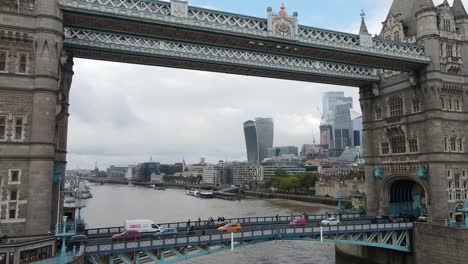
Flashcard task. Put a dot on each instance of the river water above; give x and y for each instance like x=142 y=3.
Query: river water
x=111 y=205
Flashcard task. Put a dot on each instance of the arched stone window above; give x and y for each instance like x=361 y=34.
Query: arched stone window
x=396 y=106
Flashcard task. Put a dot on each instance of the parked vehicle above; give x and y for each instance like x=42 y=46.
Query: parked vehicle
x=330 y=221
x=230 y=228
x=381 y=219
x=298 y=222
x=128 y=235
x=402 y=218
x=142 y=226
x=422 y=218
x=168 y=232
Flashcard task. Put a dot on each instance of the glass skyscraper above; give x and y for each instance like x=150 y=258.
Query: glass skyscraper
x=336 y=127
x=258 y=138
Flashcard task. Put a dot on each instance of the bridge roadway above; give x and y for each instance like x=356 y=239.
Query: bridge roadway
x=354 y=229
x=395 y=236
x=244 y=221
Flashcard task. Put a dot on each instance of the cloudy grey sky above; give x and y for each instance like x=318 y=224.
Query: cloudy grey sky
x=122 y=114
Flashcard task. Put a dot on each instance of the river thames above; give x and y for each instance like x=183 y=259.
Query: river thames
x=111 y=205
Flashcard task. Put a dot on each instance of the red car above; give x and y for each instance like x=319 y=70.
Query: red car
x=298 y=222
x=128 y=235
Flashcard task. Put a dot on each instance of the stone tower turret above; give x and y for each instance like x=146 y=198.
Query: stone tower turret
x=427 y=30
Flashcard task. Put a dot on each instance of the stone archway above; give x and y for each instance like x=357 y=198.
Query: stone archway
x=403 y=195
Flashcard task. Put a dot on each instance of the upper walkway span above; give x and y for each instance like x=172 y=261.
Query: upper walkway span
x=277 y=35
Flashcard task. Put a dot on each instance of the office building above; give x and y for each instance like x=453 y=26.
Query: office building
x=279 y=151
x=258 y=138
x=336 y=127
x=145 y=170
x=291 y=168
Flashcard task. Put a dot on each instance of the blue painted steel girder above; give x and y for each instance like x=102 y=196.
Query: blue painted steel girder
x=121 y=47
x=209 y=27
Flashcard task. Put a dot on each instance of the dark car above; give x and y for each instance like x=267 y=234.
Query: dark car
x=77 y=241
x=168 y=232
x=381 y=219
x=402 y=218
x=128 y=235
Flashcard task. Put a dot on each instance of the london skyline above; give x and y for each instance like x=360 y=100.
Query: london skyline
x=171 y=118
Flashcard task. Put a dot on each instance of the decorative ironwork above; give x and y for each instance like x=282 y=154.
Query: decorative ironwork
x=153 y=7
x=232 y=20
x=119 y=42
x=398 y=47
x=329 y=36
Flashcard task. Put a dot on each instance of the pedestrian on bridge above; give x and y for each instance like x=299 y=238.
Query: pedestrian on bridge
x=199 y=221
x=277 y=217
x=188 y=223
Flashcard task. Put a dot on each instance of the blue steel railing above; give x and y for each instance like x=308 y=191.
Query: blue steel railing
x=290 y=232
x=242 y=220
x=61 y=259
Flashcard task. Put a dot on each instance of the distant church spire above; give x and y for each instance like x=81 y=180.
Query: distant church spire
x=363 y=28
x=459 y=9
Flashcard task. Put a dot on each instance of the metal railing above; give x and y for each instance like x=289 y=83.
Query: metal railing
x=242 y=220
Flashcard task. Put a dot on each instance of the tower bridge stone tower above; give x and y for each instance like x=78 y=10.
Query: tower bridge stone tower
x=33 y=115
x=415 y=124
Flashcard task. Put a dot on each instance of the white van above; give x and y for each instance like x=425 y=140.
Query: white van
x=142 y=226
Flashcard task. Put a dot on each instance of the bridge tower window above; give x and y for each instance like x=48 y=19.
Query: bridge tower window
x=398 y=144
x=13 y=195
x=378 y=113
x=413 y=145
x=385 y=148
x=14 y=176
x=12 y=213
x=460 y=144
x=453 y=144
x=416 y=106
x=19 y=128
x=3 y=61
x=449 y=50
x=396 y=36
x=22 y=62
x=3 y=120
x=396 y=106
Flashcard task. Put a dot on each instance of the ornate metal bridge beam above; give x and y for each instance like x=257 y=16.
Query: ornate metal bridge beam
x=84 y=39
